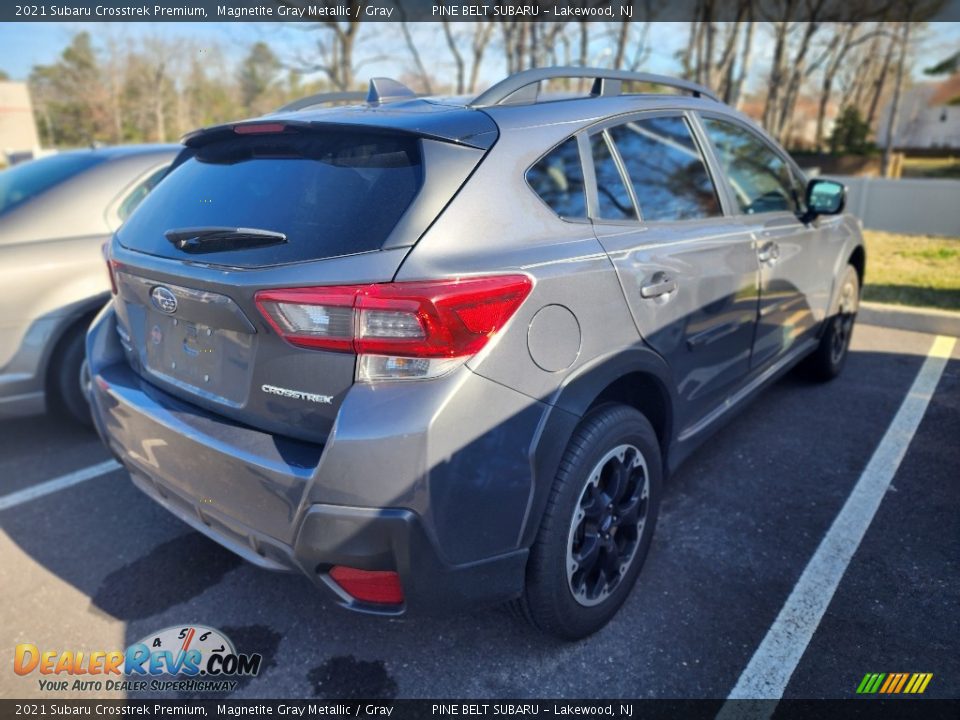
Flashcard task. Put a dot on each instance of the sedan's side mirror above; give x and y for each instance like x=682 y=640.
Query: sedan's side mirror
x=824 y=197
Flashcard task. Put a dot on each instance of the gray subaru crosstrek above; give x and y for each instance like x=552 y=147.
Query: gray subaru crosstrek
x=434 y=353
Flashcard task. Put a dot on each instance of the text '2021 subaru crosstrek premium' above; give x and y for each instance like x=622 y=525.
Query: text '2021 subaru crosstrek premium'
x=435 y=353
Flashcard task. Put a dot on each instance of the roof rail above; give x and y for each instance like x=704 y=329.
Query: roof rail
x=524 y=87
x=323 y=99
x=382 y=90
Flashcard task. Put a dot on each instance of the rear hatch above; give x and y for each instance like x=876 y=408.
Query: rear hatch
x=265 y=207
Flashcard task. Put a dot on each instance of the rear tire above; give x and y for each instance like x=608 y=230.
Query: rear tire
x=601 y=512
x=827 y=361
x=70 y=376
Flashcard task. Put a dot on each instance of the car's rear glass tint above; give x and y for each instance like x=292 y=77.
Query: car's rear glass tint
x=22 y=182
x=332 y=193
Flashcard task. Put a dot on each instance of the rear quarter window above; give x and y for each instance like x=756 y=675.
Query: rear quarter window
x=331 y=194
x=558 y=179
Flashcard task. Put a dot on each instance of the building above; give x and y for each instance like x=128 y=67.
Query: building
x=926 y=120
x=18 y=129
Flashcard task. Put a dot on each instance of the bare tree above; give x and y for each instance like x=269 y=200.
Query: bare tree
x=881 y=80
x=335 y=45
x=457 y=56
x=844 y=42
x=714 y=50
x=160 y=63
x=482 y=32
x=746 y=55
x=415 y=54
x=114 y=70
x=892 y=118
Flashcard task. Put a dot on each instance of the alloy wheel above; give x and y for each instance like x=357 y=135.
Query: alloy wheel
x=843 y=323
x=607 y=525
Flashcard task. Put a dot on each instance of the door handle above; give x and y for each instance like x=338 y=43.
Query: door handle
x=769 y=253
x=660 y=284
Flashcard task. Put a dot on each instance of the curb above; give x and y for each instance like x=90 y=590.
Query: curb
x=901 y=317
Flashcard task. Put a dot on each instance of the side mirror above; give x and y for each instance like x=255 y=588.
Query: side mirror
x=824 y=197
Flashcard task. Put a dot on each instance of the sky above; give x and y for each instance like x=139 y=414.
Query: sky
x=23 y=45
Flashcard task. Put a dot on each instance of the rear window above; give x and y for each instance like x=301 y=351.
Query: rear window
x=331 y=194
x=22 y=182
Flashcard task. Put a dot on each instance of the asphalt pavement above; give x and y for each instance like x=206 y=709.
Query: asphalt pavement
x=97 y=566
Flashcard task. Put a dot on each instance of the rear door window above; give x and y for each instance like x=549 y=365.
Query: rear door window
x=761 y=179
x=613 y=198
x=558 y=179
x=668 y=174
x=331 y=194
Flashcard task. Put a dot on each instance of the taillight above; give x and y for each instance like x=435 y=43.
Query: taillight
x=399 y=330
x=111 y=266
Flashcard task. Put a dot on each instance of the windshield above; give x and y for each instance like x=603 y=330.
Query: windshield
x=333 y=193
x=22 y=182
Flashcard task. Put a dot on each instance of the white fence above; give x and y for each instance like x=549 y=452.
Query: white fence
x=919 y=207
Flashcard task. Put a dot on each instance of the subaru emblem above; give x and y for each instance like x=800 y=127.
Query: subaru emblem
x=163 y=300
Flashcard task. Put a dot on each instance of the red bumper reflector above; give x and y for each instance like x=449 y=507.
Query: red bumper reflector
x=373 y=586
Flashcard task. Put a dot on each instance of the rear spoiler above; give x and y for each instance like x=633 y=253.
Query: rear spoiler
x=420 y=118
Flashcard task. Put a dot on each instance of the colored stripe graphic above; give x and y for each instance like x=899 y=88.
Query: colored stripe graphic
x=894 y=683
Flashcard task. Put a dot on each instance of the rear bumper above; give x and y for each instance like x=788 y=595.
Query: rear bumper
x=364 y=538
x=279 y=503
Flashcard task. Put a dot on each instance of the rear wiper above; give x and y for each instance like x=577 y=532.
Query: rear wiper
x=219 y=239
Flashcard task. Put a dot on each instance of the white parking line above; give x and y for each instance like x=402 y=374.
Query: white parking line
x=52 y=486
x=769 y=670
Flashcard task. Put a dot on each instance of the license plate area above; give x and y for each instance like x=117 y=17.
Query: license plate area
x=205 y=360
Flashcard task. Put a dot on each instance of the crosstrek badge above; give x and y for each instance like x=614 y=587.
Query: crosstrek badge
x=297 y=394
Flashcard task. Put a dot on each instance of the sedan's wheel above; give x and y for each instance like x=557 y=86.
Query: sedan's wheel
x=607 y=524
x=597 y=525
x=826 y=362
x=71 y=378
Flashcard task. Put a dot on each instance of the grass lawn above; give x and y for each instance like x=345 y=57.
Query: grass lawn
x=919 y=270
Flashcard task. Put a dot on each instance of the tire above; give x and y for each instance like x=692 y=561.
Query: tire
x=570 y=601
x=69 y=377
x=827 y=361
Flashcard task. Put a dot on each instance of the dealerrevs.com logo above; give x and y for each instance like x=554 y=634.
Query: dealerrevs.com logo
x=183 y=659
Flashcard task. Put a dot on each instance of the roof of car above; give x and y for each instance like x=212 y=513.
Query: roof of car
x=117 y=151
x=476 y=121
